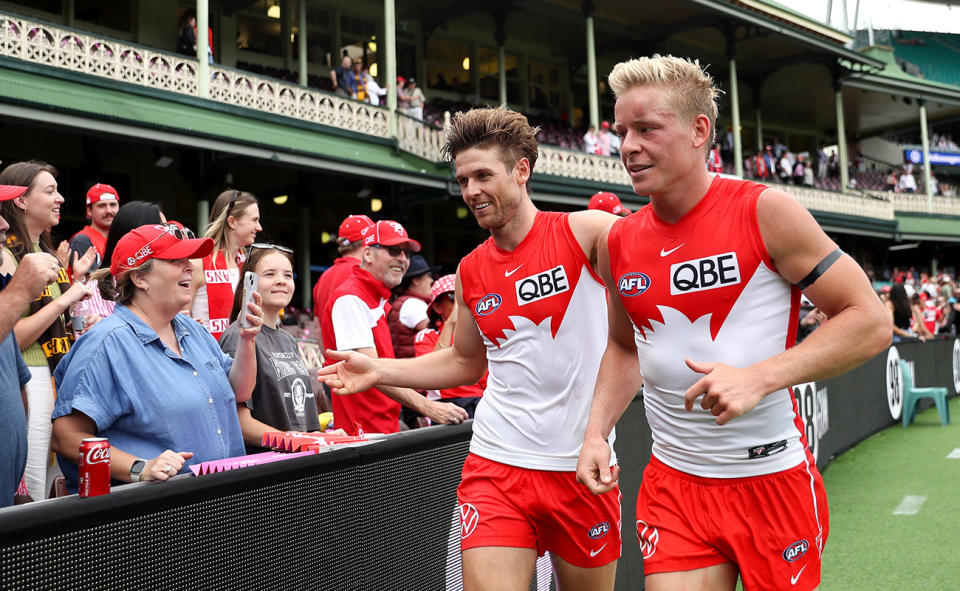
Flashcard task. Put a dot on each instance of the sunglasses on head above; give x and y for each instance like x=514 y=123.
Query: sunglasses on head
x=266 y=246
x=395 y=251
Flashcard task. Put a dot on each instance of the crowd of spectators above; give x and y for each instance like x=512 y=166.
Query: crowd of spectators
x=116 y=336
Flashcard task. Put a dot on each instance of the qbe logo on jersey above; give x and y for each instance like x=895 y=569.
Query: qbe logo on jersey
x=712 y=272
x=542 y=285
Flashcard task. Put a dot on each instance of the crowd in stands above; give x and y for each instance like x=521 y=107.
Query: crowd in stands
x=138 y=331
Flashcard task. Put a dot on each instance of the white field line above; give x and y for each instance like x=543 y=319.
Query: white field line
x=910 y=505
x=955 y=454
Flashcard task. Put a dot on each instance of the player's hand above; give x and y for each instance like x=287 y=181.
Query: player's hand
x=593 y=466
x=444 y=412
x=728 y=392
x=354 y=373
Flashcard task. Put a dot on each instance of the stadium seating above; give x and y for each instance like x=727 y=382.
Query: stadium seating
x=936 y=55
x=912 y=394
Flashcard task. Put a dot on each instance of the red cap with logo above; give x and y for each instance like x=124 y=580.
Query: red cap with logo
x=389 y=233
x=609 y=203
x=352 y=227
x=156 y=241
x=8 y=192
x=101 y=192
x=447 y=283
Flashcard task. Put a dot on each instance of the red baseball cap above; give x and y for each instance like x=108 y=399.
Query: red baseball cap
x=8 y=192
x=388 y=233
x=352 y=227
x=447 y=283
x=101 y=192
x=156 y=241
x=605 y=124
x=609 y=203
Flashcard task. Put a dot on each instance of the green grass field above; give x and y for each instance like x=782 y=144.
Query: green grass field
x=869 y=547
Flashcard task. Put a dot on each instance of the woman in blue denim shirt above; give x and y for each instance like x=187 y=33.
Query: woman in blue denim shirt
x=152 y=380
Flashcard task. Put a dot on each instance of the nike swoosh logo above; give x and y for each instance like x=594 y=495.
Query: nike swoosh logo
x=509 y=273
x=597 y=551
x=664 y=253
x=793 y=579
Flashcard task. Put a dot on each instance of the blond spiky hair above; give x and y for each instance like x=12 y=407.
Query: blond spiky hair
x=691 y=89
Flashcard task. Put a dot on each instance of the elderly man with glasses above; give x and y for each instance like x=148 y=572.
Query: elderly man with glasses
x=355 y=318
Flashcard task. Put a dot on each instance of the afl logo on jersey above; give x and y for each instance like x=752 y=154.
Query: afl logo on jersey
x=488 y=304
x=633 y=284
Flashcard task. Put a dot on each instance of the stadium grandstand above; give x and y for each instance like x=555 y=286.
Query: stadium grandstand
x=99 y=89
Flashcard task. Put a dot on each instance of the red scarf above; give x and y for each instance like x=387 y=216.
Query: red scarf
x=219 y=293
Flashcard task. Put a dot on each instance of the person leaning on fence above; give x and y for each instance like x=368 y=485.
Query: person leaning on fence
x=148 y=378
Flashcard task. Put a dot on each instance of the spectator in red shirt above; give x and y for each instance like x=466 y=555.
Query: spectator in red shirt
x=350 y=247
x=102 y=206
x=355 y=318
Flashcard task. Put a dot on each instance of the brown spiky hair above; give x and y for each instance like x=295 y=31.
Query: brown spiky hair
x=485 y=128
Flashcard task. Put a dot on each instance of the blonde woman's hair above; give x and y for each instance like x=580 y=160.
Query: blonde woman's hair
x=229 y=203
x=691 y=91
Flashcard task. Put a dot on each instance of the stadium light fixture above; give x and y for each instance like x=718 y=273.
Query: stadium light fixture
x=376 y=205
x=461 y=213
x=325 y=237
x=273 y=11
x=280 y=199
x=373 y=70
x=466 y=63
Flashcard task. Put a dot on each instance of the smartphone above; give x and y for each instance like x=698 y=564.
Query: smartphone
x=250 y=281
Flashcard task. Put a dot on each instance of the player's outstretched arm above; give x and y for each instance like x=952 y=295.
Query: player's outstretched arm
x=618 y=381
x=463 y=363
x=858 y=326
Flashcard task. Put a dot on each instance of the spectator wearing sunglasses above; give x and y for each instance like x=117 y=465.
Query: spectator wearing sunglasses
x=148 y=378
x=234 y=223
x=283 y=398
x=350 y=248
x=439 y=336
x=355 y=318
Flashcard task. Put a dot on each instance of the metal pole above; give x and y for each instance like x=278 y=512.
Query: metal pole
x=203 y=48
x=302 y=41
x=829 y=12
x=925 y=142
x=390 y=60
x=502 y=78
x=841 y=141
x=593 y=100
x=735 y=116
x=203 y=216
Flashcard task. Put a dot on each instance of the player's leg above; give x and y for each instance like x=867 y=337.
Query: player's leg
x=493 y=568
x=719 y=577
x=575 y=578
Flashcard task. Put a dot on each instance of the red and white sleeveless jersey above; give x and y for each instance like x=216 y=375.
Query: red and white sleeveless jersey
x=542 y=312
x=706 y=288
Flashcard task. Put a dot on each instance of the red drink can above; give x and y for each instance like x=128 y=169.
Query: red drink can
x=94 y=467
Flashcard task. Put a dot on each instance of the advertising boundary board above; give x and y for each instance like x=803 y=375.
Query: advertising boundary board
x=380 y=516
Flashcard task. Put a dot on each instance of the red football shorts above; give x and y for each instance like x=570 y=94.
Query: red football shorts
x=772 y=527
x=503 y=505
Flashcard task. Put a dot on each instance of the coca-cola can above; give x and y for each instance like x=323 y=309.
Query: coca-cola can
x=94 y=467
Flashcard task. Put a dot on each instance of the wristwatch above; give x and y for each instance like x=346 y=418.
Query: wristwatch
x=137 y=469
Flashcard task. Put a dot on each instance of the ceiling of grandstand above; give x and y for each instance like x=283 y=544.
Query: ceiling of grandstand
x=785 y=61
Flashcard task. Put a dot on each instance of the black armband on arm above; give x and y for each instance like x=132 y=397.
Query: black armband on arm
x=820 y=269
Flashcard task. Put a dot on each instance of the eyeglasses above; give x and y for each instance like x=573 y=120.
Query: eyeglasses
x=394 y=251
x=233 y=200
x=264 y=245
x=171 y=229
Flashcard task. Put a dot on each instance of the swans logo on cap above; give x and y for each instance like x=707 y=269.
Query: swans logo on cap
x=633 y=284
x=488 y=304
